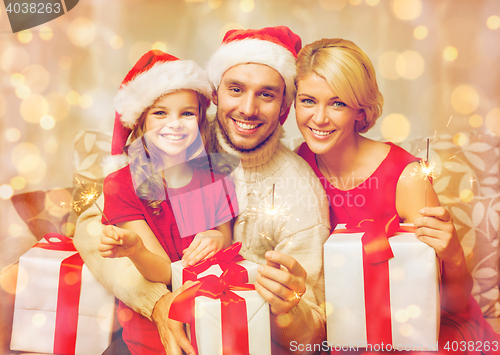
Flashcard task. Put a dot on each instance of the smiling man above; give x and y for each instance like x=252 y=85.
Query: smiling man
x=253 y=76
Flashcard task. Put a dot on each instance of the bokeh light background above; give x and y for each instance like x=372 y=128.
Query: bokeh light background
x=437 y=64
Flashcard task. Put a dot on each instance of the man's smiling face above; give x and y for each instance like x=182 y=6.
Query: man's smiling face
x=249 y=102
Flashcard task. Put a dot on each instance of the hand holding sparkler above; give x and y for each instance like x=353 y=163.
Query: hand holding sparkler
x=118 y=242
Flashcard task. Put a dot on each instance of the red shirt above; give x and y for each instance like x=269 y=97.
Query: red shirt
x=206 y=202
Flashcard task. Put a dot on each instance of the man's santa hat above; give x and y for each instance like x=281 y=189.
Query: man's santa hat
x=276 y=47
x=155 y=74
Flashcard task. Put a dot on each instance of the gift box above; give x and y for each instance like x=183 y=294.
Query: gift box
x=215 y=265
x=381 y=287
x=224 y=318
x=60 y=307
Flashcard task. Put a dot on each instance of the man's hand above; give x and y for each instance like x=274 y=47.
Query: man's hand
x=172 y=333
x=281 y=288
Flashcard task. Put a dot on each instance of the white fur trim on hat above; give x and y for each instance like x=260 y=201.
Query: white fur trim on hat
x=112 y=163
x=163 y=77
x=251 y=50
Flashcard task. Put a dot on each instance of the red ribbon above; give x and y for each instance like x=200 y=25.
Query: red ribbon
x=68 y=294
x=376 y=254
x=234 y=322
x=226 y=258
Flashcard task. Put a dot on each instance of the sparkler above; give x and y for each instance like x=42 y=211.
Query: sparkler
x=87 y=197
x=425 y=171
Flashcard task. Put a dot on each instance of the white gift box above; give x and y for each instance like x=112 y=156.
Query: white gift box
x=208 y=324
x=36 y=303
x=177 y=272
x=413 y=284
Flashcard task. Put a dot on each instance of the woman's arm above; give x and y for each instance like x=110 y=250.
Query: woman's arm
x=137 y=241
x=435 y=228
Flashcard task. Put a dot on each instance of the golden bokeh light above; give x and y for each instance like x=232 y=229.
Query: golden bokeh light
x=402 y=316
x=25 y=36
x=247 y=5
x=124 y=315
x=17 y=79
x=387 y=65
x=414 y=311
x=6 y=191
x=476 y=120
x=332 y=5
x=3 y=105
x=64 y=62
x=493 y=22
x=94 y=228
x=47 y=122
x=51 y=146
x=465 y=99
x=327 y=307
x=14 y=59
x=13 y=134
x=71 y=278
x=406 y=330
x=284 y=320
x=450 y=53
x=420 y=32
x=493 y=121
x=355 y=2
x=68 y=228
x=46 y=33
x=159 y=46
x=395 y=127
x=460 y=139
x=116 y=42
x=39 y=320
x=23 y=92
x=85 y=101
x=15 y=230
x=466 y=195
x=59 y=106
x=34 y=108
x=18 y=183
x=81 y=32
x=397 y=274
x=22 y=150
x=29 y=163
x=407 y=9
x=214 y=4
x=137 y=50
x=372 y=2
x=37 y=78
x=73 y=97
x=410 y=65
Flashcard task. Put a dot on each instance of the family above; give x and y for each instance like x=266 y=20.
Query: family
x=165 y=141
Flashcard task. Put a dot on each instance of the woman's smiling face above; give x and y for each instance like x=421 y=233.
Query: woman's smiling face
x=323 y=119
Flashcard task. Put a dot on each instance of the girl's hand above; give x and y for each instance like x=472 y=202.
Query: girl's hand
x=204 y=245
x=117 y=242
x=435 y=228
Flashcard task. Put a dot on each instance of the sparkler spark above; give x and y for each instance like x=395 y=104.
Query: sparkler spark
x=87 y=197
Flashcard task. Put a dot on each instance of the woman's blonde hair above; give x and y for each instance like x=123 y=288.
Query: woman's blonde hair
x=349 y=73
x=145 y=158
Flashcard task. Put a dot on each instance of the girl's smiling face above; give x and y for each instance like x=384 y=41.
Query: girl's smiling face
x=324 y=120
x=172 y=124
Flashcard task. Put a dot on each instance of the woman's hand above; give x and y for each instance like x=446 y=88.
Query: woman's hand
x=117 y=242
x=204 y=245
x=435 y=228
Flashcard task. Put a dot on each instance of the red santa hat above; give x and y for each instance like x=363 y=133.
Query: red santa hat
x=276 y=47
x=155 y=74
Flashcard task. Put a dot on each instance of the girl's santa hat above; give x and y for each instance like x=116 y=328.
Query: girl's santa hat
x=155 y=74
x=276 y=47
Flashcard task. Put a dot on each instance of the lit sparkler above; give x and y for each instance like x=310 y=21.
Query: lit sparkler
x=87 y=197
x=425 y=171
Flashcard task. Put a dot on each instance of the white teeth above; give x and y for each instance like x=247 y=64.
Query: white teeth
x=321 y=133
x=173 y=137
x=245 y=126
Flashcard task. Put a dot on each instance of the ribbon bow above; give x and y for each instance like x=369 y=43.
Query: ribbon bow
x=226 y=259
x=63 y=242
x=234 y=322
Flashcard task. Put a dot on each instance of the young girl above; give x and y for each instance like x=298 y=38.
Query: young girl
x=167 y=204
x=337 y=99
